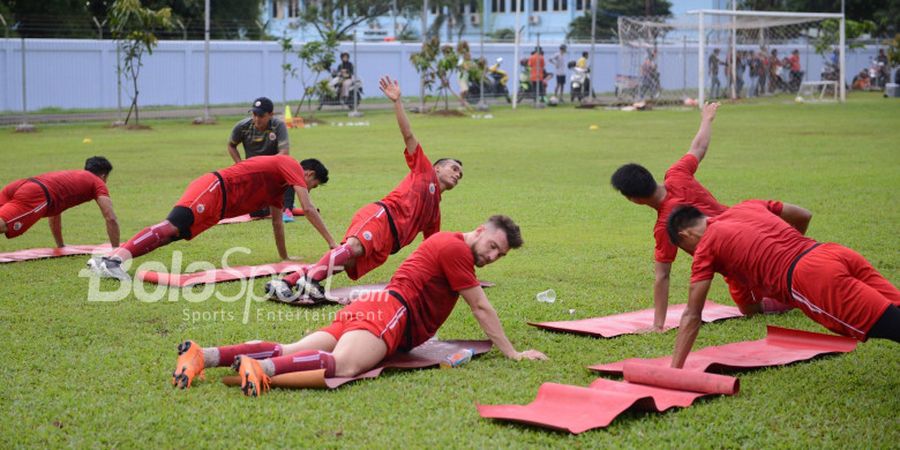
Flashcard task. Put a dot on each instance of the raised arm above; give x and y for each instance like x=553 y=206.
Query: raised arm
x=701 y=140
x=690 y=322
x=391 y=89
x=312 y=215
x=489 y=322
x=55 y=223
x=109 y=216
x=798 y=217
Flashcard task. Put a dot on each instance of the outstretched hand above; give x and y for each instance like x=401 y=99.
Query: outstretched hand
x=709 y=110
x=391 y=88
x=532 y=355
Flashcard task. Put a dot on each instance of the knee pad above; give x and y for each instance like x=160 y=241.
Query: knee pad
x=182 y=218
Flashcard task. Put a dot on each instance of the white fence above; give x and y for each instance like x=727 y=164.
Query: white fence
x=62 y=73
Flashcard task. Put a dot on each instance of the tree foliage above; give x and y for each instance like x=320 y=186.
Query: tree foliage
x=884 y=14
x=134 y=26
x=339 y=17
x=608 y=12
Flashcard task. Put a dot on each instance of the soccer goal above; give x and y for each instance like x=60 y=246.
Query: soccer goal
x=691 y=59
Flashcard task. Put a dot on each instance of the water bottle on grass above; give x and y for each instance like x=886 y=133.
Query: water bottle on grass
x=457 y=359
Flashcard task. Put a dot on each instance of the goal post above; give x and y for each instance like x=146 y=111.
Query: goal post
x=760 y=53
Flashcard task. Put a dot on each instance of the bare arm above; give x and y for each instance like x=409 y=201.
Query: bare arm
x=233 y=152
x=312 y=215
x=391 y=90
x=489 y=322
x=278 y=232
x=56 y=229
x=690 y=322
x=661 y=294
x=798 y=217
x=701 y=140
x=109 y=216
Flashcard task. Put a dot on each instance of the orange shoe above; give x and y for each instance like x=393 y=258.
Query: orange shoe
x=254 y=381
x=189 y=365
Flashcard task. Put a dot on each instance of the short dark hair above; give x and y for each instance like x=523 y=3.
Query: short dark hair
x=683 y=216
x=513 y=233
x=633 y=180
x=98 y=165
x=345 y=54
x=585 y=54
x=316 y=166
x=443 y=160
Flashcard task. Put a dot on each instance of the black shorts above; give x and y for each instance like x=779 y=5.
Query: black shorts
x=561 y=80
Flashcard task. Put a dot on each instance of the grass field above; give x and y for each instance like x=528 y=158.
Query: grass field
x=88 y=374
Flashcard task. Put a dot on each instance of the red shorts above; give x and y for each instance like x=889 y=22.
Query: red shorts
x=371 y=227
x=838 y=288
x=378 y=313
x=22 y=204
x=204 y=198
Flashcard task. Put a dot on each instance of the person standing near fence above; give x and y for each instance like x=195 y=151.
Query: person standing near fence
x=559 y=65
x=262 y=134
x=714 y=83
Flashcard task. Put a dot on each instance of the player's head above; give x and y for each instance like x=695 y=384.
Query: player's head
x=494 y=239
x=584 y=54
x=99 y=166
x=686 y=226
x=634 y=181
x=449 y=171
x=315 y=173
x=262 y=112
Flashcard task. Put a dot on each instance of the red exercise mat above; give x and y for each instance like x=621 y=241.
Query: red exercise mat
x=42 y=253
x=781 y=346
x=577 y=409
x=248 y=218
x=428 y=355
x=218 y=275
x=631 y=322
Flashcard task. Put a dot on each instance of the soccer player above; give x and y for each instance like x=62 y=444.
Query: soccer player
x=681 y=187
x=417 y=301
x=830 y=283
x=246 y=186
x=381 y=229
x=23 y=202
x=263 y=134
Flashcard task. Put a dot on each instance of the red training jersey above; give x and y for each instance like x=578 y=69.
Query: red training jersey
x=430 y=281
x=681 y=188
x=752 y=245
x=68 y=188
x=415 y=204
x=255 y=183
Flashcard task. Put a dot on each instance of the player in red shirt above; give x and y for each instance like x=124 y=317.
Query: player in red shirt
x=237 y=190
x=417 y=301
x=23 y=202
x=830 y=283
x=381 y=229
x=680 y=187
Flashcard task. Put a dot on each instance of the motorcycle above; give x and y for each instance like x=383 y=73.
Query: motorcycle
x=495 y=80
x=332 y=96
x=579 y=84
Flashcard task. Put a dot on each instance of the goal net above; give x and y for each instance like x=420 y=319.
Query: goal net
x=691 y=59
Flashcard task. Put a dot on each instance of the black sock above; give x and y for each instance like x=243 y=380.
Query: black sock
x=888 y=326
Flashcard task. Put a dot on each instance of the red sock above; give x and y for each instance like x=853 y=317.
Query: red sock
x=292 y=278
x=255 y=350
x=305 y=360
x=334 y=260
x=148 y=239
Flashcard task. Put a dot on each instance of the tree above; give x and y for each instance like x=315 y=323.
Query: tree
x=317 y=56
x=337 y=18
x=608 y=12
x=885 y=14
x=133 y=26
x=436 y=65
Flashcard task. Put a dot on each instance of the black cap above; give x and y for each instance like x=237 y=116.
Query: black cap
x=262 y=106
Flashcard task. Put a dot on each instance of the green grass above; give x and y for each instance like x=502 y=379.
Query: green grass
x=86 y=374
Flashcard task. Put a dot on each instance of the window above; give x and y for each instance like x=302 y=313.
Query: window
x=539 y=5
x=498 y=5
x=583 y=5
x=276 y=10
x=560 y=5
x=293 y=8
x=520 y=4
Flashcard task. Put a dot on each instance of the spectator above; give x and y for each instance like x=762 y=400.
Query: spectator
x=536 y=66
x=796 y=72
x=559 y=64
x=714 y=84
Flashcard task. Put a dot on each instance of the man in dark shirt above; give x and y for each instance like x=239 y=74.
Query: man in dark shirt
x=345 y=72
x=262 y=134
